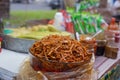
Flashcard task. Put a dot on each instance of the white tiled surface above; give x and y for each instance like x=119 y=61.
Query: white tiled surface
x=11 y=61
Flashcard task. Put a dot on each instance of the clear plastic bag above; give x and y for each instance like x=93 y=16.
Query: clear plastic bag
x=83 y=72
x=75 y=74
x=26 y=72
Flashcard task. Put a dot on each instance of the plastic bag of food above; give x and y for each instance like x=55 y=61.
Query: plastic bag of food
x=26 y=72
x=83 y=72
x=86 y=72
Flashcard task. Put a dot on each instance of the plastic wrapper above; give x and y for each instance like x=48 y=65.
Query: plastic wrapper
x=26 y=72
x=83 y=72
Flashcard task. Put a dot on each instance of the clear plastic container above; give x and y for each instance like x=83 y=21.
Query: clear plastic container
x=100 y=47
x=112 y=47
x=54 y=66
x=63 y=71
x=89 y=43
x=111 y=50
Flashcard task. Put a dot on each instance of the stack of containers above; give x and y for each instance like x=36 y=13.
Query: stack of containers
x=112 y=35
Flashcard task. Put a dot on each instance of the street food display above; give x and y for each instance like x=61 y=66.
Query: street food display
x=60 y=48
x=35 y=32
x=61 y=57
x=57 y=50
x=55 y=55
x=25 y=36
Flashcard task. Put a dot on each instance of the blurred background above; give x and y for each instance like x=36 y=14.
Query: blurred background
x=17 y=12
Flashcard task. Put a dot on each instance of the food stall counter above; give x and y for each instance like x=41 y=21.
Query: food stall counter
x=11 y=61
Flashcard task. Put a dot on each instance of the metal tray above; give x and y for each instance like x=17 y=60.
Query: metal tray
x=16 y=44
